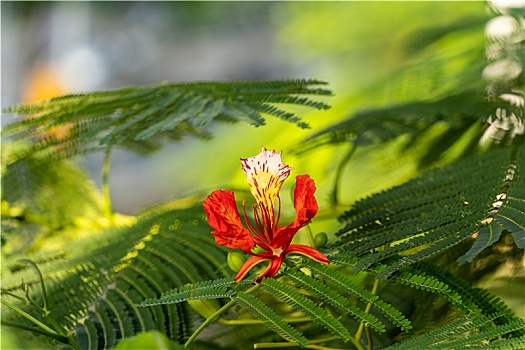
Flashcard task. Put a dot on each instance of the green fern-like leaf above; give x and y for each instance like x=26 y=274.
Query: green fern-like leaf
x=473 y=300
x=410 y=276
x=88 y=334
x=342 y=281
x=487 y=236
x=96 y=299
x=511 y=214
x=452 y=336
x=139 y=117
x=323 y=291
x=452 y=329
x=435 y=279
x=425 y=215
x=292 y=297
x=491 y=333
x=384 y=124
x=270 y=318
x=501 y=344
x=201 y=290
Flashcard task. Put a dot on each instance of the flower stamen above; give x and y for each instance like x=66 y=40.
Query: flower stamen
x=257 y=219
x=252 y=229
x=278 y=212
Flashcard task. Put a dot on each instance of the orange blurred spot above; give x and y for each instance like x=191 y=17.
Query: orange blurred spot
x=42 y=83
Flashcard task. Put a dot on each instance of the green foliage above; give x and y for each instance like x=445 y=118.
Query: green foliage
x=487 y=236
x=425 y=215
x=270 y=318
x=429 y=103
x=511 y=214
x=138 y=118
x=457 y=291
x=201 y=290
x=335 y=298
x=40 y=199
x=471 y=299
x=117 y=295
x=308 y=307
x=471 y=331
x=340 y=280
x=338 y=294
x=455 y=125
x=96 y=298
x=458 y=113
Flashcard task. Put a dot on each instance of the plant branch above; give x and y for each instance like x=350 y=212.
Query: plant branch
x=46 y=312
x=13 y=295
x=108 y=208
x=42 y=284
x=334 y=198
x=367 y=310
x=369 y=338
x=252 y=322
x=28 y=316
x=311 y=344
x=61 y=338
x=215 y=315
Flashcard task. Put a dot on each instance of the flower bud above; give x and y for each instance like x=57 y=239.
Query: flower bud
x=205 y=307
x=320 y=239
x=235 y=261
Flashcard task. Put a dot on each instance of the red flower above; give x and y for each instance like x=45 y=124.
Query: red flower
x=265 y=174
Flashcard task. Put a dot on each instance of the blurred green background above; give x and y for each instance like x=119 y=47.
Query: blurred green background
x=59 y=47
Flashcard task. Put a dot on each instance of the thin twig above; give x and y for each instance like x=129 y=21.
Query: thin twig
x=367 y=310
x=215 y=315
x=334 y=198
x=61 y=338
x=108 y=208
x=254 y=321
x=369 y=338
x=310 y=344
x=28 y=316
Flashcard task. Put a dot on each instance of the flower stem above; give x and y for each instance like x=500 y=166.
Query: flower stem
x=215 y=315
x=107 y=207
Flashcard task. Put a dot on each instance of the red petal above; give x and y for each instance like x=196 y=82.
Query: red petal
x=247 y=266
x=272 y=269
x=310 y=252
x=306 y=208
x=223 y=216
x=304 y=200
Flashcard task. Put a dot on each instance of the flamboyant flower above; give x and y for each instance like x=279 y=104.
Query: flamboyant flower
x=265 y=173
